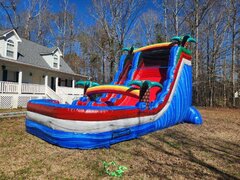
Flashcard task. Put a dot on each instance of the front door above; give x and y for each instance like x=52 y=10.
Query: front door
x=16 y=76
x=66 y=82
x=53 y=84
x=59 y=81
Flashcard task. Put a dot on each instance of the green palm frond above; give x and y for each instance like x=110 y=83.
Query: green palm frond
x=148 y=84
x=135 y=82
x=129 y=49
x=144 y=86
x=126 y=49
x=191 y=40
x=81 y=83
x=176 y=38
x=86 y=83
x=155 y=84
x=182 y=40
x=92 y=84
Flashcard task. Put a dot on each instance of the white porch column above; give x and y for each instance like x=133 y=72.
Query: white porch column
x=73 y=83
x=19 y=82
x=46 y=83
x=56 y=84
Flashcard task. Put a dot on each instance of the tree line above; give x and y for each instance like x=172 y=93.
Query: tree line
x=93 y=47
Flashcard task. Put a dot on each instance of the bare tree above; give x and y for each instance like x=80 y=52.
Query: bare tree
x=95 y=46
x=172 y=12
x=33 y=18
x=31 y=13
x=233 y=14
x=64 y=25
x=42 y=22
x=146 y=27
x=10 y=8
x=162 y=5
x=193 y=19
x=116 y=18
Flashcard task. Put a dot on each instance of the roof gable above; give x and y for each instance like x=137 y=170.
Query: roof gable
x=31 y=53
x=57 y=50
x=6 y=32
x=52 y=51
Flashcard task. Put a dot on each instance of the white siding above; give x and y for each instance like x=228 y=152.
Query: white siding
x=29 y=75
x=11 y=76
x=32 y=76
x=26 y=77
x=50 y=59
x=2 y=47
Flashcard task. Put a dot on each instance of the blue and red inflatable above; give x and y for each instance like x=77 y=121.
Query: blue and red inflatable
x=151 y=90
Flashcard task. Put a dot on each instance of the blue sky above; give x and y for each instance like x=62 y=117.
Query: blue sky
x=83 y=6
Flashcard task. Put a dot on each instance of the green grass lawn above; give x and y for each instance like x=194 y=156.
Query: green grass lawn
x=185 y=151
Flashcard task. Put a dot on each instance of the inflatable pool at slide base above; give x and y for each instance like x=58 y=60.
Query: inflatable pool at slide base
x=152 y=90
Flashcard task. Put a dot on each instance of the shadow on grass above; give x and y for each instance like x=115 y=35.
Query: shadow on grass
x=176 y=144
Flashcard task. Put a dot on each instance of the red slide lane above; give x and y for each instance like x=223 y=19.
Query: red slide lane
x=154 y=74
x=109 y=96
x=122 y=79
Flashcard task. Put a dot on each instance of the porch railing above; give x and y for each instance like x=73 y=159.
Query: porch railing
x=63 y=94
x=33 y=88
x=8 y=87
x=69 y=90
x=52 y=94
x=69 y=93
x=12 y=88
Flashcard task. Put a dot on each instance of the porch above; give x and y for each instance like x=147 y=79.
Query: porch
x=20 y=83
x=16 y=94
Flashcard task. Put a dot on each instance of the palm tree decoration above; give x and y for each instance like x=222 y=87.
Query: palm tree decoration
x=145 y=87
x=183 y=40
x=129 y=50
x=176 y=39
x=86 y=84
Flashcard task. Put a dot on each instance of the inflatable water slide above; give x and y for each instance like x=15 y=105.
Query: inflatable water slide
x=151 y=90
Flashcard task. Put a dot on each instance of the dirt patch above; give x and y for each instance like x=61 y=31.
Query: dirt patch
x=12 y=110
x=185 y=151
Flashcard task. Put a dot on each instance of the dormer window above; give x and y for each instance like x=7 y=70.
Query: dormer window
x=53 y=58
x=10 y=49
x=55 y=61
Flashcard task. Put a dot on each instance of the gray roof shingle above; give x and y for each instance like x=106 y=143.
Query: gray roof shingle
x=2 y=32
x=30 y=53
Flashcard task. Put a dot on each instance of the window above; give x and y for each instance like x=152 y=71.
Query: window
x=55 y=61
x=10 y=49
x=10 y=53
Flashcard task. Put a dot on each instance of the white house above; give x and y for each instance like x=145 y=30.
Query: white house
x=29 y=71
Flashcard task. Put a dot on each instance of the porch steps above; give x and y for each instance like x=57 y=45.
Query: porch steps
x=53 y=95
